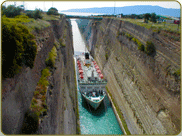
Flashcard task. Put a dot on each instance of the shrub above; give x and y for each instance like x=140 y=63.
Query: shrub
x=61 y=43
x=52 y=11
x=36 y=93
x=37 y=14
x=106 y=55
x=177 y=72
x=129 y=36
x=149 y=48
x=56 y=44
x=12 y=11
x=43 y=80
x=34 y=100
x=17 y=41
x=34 y=14
x=134 y=40
x=31 y=122
x=30 y=14
x=141 y=47
x=50 y=61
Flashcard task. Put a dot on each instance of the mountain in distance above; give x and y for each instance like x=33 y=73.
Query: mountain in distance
x=141 y=9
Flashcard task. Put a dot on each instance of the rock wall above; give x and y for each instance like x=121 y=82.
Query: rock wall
x=17 y=92
x=143 y=86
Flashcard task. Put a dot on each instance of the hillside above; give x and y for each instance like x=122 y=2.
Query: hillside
x=130 y=10
x=45 y=92
x=143 y=72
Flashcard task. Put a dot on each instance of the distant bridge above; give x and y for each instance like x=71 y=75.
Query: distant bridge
x=84 y=17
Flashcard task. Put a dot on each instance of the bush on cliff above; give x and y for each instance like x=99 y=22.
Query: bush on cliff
x=150 y=48
x=62 y=43
x=11 y=11
x=52 y=11
x=129 y=36
x=141 y=47
x=18 y=47
x=31 y=122
x=34 y=14
x=50 y=61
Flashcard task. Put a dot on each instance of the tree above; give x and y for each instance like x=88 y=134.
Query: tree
x=52 y=11
x=11 y=11
x=146 y=17
x=34 y=14
x=153 y=18
x=37 y=14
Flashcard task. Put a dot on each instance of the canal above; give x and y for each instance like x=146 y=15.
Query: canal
x=102 y=120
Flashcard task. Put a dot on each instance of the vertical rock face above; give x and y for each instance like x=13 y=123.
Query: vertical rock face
x=143 y=86
x=17 y=92
x=61 y=117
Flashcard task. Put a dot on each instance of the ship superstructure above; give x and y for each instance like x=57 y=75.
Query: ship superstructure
x=90 y=80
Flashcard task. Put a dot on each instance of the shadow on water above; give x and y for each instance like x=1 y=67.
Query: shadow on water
x=100 y=111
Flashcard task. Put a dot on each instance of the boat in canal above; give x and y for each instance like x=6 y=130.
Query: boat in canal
x=91 y=82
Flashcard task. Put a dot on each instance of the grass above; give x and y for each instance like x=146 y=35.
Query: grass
x=50 y=17
x=50 y=61
x=119 y=113
x=155 y=26
x=37 y=24
x=39 y=99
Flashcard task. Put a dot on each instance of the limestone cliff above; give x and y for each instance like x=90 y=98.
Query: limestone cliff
x=17 y=92
x=144 y=86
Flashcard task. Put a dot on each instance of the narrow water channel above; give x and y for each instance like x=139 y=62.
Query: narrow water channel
x=102 y=120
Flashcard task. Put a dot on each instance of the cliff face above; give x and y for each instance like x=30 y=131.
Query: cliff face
x=17 y=92
x=145 y=87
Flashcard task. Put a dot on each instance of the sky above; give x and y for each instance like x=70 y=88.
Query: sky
x=65 y=5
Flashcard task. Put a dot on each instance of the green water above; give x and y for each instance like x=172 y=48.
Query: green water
x=102 y=120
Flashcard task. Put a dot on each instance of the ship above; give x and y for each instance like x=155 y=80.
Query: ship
x=91 y=82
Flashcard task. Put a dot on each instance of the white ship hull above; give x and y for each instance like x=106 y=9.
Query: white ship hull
x=91 y=83
x=95 y=105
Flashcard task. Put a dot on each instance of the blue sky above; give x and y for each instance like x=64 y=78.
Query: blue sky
x=65 y=5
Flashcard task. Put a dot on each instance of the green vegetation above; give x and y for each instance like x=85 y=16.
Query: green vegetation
x=153 y=18
x=43 y=82
x=38 y=107
x=149 y=48
x=157 y=26
x=11 y=11
x=119 y=113
x=106 y=56
x=50 y=17
x=18 y=46
x=61 y=42
x=129 y=36
x=50 y=61
x=37 y=25
x=177 y=74
x=141 y=47
x=30 y=123
x=34 y=14
x=52 y=11
x=146 y=17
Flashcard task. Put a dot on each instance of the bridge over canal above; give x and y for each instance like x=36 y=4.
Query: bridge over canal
x=84 y=17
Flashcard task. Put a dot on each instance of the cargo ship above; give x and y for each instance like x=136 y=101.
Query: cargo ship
x=91 y=82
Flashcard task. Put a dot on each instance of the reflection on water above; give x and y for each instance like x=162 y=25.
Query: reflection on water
x=102 y=120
